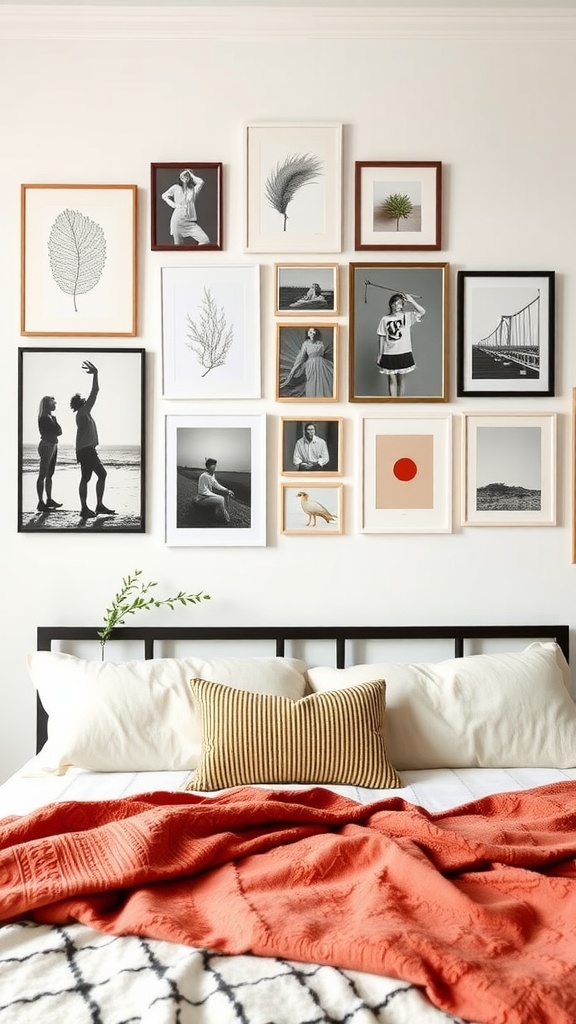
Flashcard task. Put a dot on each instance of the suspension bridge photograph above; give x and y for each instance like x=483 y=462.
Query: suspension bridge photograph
x=505 y=333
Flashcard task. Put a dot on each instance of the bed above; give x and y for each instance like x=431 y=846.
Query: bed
x=280 y=826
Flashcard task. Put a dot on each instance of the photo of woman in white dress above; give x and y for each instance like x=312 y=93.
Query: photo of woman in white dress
x=306 y=363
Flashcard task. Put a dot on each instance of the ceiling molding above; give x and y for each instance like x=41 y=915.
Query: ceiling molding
x=59 y=21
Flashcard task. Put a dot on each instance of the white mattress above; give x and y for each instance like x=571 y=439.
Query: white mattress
x=435 y=789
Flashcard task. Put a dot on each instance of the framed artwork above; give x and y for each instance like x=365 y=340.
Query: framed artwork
x=407 y=475
x=315 y=510
x=186 y=206
x=301 y=288
x=398 y=332
x=509 y=469
x=307 y=362
x=311 y=447
x=78 y=260
x=211 y=332
x=293 y=187
x=216 y=481
x=81 y=454
x=398 y=205
x=505 y=333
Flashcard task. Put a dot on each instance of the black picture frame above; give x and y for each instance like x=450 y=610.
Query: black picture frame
x=209 y=205
x=119 y=414
x=505 y=340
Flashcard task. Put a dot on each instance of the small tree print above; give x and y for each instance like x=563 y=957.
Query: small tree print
x=398 y=207
x=210 y=336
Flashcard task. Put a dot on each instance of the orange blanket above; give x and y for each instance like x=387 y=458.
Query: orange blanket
x=477 y=905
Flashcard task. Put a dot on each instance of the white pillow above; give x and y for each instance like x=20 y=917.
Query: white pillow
x=485 y=710
x=139 y=715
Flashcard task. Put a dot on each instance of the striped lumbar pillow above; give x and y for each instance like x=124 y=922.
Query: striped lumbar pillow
x=325 y=738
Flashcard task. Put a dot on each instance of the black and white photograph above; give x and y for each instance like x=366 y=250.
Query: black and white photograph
x=398 y=332
x=294 y=187
x=510 y=477
x=79 y=275
x=81 y=440
x=186 y=206
x=216 y=480
x=305 y=287
x=505 y=333
x=311 y=446
x=307 y=362
x=211 y=332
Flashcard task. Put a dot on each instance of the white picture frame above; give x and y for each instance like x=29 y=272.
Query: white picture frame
x=211 y=332
x=238 y=444
x=406 y=475
x=293 y=187
x=509 y=469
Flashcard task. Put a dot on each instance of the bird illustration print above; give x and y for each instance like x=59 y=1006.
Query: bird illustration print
x=314 y=509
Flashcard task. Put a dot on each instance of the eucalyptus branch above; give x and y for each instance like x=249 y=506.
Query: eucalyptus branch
x=134 y=596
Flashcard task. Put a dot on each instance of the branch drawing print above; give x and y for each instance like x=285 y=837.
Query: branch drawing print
x=77 y=253
x=288 y=177
x=210 y=336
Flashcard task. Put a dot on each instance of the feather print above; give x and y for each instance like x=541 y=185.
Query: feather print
x=77 y=253
x=283 y=182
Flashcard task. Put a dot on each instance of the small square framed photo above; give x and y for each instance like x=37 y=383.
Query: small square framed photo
x=211 y=332
x=307 y=362
x=398 y=332
x=81 y=454
x=304 y=288
x=294 y=187
x=407 y=475
x=216 y=481
x=505 y=333
x=398 y=205
x=315 y=510
x=311 y=447
x=186 y=206
x=78 y=257
x=509 y=469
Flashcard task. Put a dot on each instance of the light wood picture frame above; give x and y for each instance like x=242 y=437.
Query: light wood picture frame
x=509 y=469
x=307 y=362
x=304 y=289
x=311 y=446
x=78 y=260
x=313 y=510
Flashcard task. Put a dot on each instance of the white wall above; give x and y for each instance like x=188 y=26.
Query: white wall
x=97 y=99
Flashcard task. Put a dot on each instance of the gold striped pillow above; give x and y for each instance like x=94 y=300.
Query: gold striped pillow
x=325 y=738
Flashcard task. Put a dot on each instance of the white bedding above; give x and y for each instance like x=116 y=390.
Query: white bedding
x=436 y=789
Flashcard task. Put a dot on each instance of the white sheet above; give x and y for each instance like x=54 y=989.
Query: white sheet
x=437 y=789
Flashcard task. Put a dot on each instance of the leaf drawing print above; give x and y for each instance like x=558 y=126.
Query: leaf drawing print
x=288 y=177
x=77 y=252
x=210 y=336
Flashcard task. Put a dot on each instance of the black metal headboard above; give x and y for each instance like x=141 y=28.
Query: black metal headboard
x=150 y=636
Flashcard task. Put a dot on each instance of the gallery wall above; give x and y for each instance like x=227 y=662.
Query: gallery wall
x=98 y=97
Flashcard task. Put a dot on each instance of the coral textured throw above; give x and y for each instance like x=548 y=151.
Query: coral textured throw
x=476 y=905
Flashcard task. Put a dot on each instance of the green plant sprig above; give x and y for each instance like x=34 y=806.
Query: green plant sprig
x=134 y=596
